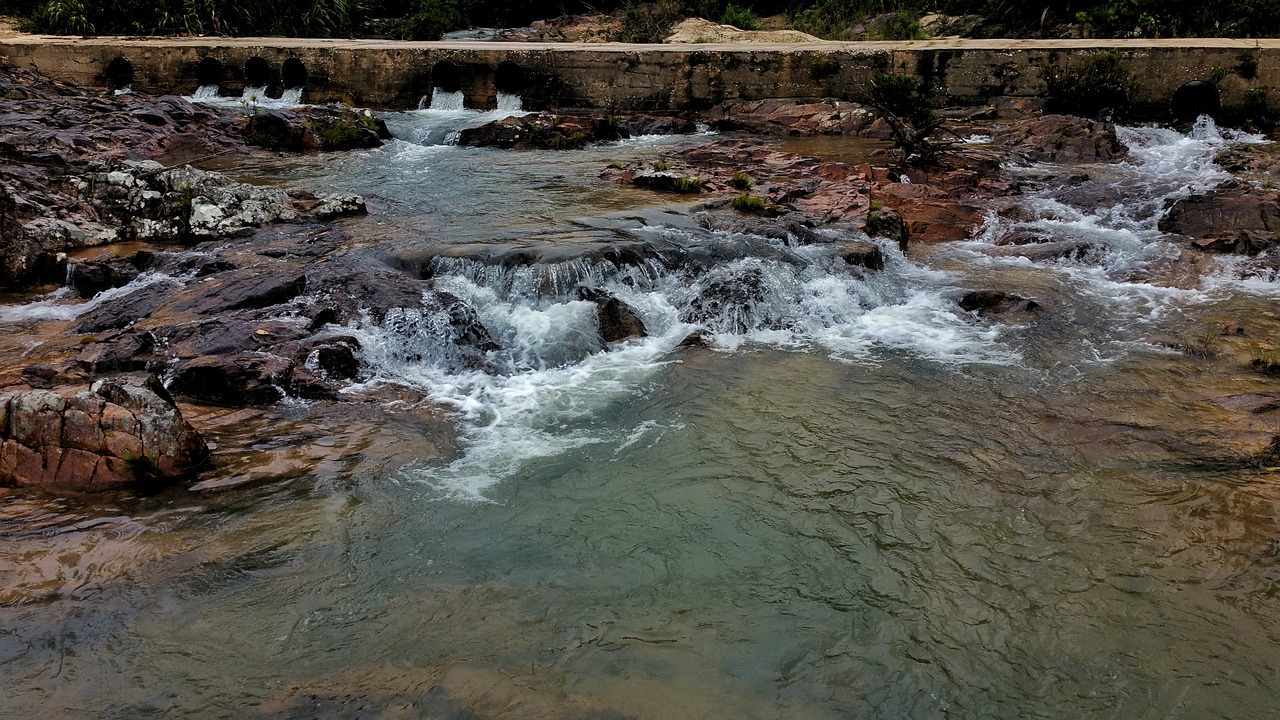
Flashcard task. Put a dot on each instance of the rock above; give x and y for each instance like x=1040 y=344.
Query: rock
x=121 y=432
x=125 y=310
x=727 y=302
x=1229 y=208
x=697 y=30
x=123 y=353
x=543 y=131
x=861 y=254
x=1047 y=252
x=789 y=117
x=90 y=277
x=1243 y=242
x=667 y=181
x=335 y=206
x=1062 y=138
x=250 y=291
x=234 y=381
x=994 y=303
x=617 y=320
x=332 y=357
x=888 y=223
x=653 y=125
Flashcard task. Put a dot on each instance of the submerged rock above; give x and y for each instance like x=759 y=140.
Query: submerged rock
x=1001 y=305
x=120 y=432
x=543 y=131
x=860 y=254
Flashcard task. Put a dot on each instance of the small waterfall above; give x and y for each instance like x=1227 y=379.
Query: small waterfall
x=126 y=90
x=255 y=94
x=447 y=101
x=205 y=93
x=291 y=97
x=510 y=102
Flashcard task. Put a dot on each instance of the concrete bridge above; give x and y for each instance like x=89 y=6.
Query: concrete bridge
x=397 y=75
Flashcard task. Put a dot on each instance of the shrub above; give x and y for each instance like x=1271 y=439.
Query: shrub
x=749 y=204
x=743 y=18
x=650 y=22
x=431 y=19
x=660 y=165
x=902 y=26
x=739 y=181
x=1089 y=90
x=908 y=110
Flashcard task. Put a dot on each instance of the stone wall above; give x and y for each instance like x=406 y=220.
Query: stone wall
x=398 y=75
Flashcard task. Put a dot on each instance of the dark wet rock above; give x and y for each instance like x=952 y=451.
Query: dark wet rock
x=90 y=277
x=888 y=223
x=616 y=319
x=1001 y=305
x=667 y=181
x=332 y=357
x=468 y=333
x=234 y=381
x=314 y=128
x=126 y=310
x=543 y=131
x=696 y=339
x=1024 y=237
x=1254 y=403
x=1047 y=252
x=653 y=125
x=1242 y=242
x=230 y=334
x=725 y=302
x=1062 y=138
x=251 y=291
x=125 y=352
x=118 y=433
x=1230 y=208
x=861 y=254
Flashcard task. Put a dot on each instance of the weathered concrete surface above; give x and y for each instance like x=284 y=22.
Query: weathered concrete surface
x=389 y=74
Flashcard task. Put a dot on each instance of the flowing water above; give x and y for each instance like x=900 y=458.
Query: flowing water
x=861 y=502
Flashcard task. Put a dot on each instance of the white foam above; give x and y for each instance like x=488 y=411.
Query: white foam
x=56 y=305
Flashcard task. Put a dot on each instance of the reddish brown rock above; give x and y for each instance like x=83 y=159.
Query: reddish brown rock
x=1228 y=209
x=788 y=117
x=118 y=433
x=1062 y=138
x=543 y=131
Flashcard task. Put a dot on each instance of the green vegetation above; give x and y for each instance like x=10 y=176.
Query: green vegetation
x=651 y=20
x=739 y=181
x=1099 y=85
x=660 y=165
x=907 y=108
x=1264 y=359
x=743 y=18
x=749 y=204
x=1204 y=344
x=687 y=185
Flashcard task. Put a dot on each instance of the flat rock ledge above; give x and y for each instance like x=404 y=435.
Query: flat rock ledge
x=117 y=433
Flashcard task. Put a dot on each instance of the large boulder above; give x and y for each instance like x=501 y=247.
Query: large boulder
x=1062 y=138
x=1231 y=208
x=617 y=320
x=543 y=131
x=120 y=432
x=251 y=378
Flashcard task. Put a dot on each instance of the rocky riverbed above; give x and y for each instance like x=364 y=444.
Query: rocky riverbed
x=244 y=295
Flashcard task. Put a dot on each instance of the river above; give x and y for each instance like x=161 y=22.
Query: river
x=859 y=502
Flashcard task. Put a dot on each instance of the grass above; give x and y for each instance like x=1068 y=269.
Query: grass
x=740 y=181
x=1204 y=344
x=661 y=165
x=749 y=204
x=687 y=185
x=1264 y=359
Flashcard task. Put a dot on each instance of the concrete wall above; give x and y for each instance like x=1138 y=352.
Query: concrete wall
x=396 y=75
